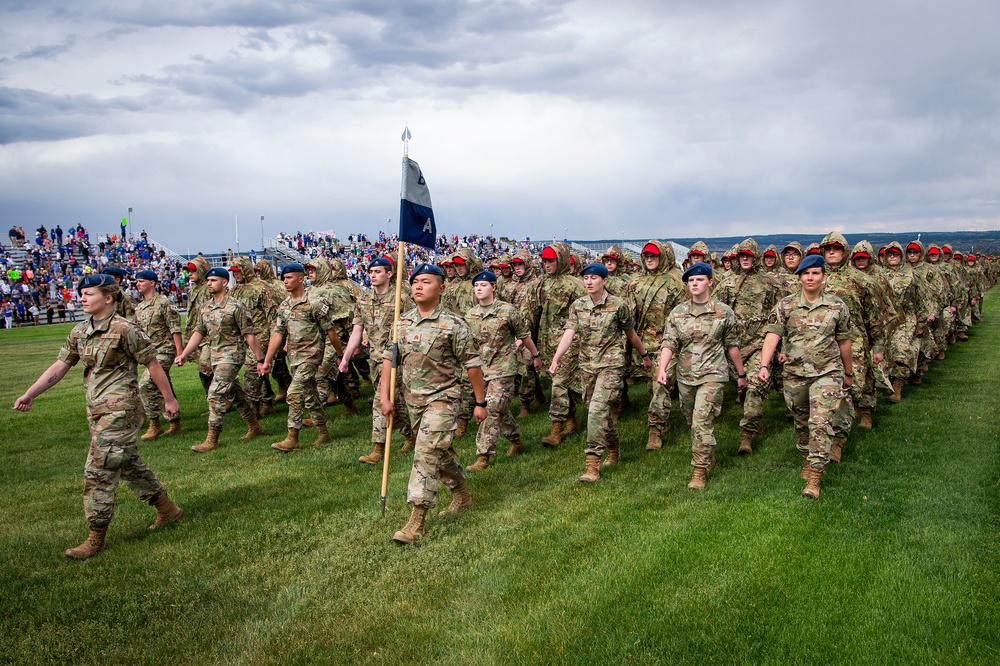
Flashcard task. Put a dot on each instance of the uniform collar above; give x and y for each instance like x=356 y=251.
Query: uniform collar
x=707 y=306
x=435 y=313
x=822 y=300
x=99 y=325
x=590 y=301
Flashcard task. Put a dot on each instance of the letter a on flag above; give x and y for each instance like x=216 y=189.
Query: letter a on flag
x=416 y=219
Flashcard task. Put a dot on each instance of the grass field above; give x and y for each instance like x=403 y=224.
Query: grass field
x=285 y=559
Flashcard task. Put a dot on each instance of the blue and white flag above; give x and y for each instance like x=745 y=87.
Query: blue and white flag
x=416 y=218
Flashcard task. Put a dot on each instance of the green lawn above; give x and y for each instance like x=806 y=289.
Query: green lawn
x=285 y=558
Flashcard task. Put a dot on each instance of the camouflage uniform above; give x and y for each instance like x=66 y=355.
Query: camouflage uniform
x=551 y=299
x=159 y=320
x=813 y=375
x=928 y=276
x=518 y=293
x=257 y=297
x=197 y=296
x=651 y=297
x=459 y=298
x=882 y=293
x=912 y=302
x=954 y=296
x=435 y=351
x=495 y=327
x=619 y=279
x=279 y=368
x=111 y=349
x=751 y=295
x=788 y=280
x=698 y=335
x=374 y=313
x=304 y=324
x=339 y=300
x=224 y=324
x=600 y=331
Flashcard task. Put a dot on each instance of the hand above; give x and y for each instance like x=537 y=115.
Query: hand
x=646 y=363
x=877 y=358
x=537 y=363
x=782 y=358
x=953 y=309
x=848 y=382
x=386 y=406
x=171 y=408
x=23 y=404
x=517 y=344
x=343 y=365
x=480 y=414
x=918 y=332
x=263 y=369
x=741 y=382
x=931 y=319
x=552 y=368
x=179 y=361
x=763 y=374
x=662 y=378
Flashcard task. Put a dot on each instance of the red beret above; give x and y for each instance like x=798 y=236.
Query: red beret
x=650 y=248
x=861 y=254
x=934 y=250
x=458 y=260
x=549 y=253
x=913 y=246
x=771 y=253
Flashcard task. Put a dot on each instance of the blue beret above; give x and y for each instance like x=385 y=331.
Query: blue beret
x=381 y=261
x=114 y=271
x=292 y=268
x=147 y=275
x=811 y=261
x=485 y=276
x=595 y=269
x=426 y=269
x=95 y=280
x=217 y=272
x=697 y=268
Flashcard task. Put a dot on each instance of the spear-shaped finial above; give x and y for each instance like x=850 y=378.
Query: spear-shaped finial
x=406 y=140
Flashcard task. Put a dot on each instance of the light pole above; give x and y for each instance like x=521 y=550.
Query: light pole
x=130 y=220
x=261 y=233
x=565 y=232
x=237 y=235
x=491 y=230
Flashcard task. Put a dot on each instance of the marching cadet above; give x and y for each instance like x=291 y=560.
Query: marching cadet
x=303 y=324
x=700 y=332
x=339 y=300
x=496 y=326
x=791 y=255
x=618 y=279
x=435 y=349
x=256 y=297
x=862 y=259
x=160 y=321
x=111 y=347
x=932 y=280
x=197 y=296
x=224 y=323
x=912 y=301
x=124 y=304
x=551 y=300
x=279 y=368
x=458 y=298
x=373 y=322
x=518 y=293
x=651 y=296
x=604 y=322
x=814 y=330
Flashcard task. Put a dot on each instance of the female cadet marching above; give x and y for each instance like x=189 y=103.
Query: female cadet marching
x=603 y=322
x=814 y=330
x=111 y=348
x=700 y=331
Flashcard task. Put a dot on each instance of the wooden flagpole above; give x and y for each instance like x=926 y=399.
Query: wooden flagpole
x=398 y=271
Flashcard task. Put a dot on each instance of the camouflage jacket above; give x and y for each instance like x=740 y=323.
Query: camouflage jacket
x=159 y=319
x=304 y=324
x=458 y=295
x=336 y=294
x=197 y=295
x=374 y=313
x=870 y=316
x=224 y=325
x=698 y=335
x=495 y=327
x=125 y=306
x=551 y=299
x=111 y=349
x=810 y=333
x=651 y=296
x=256 y=296
x=517 y=290
x=434 y=353
x=910 y=298
x=752 y=295
x=601 y=329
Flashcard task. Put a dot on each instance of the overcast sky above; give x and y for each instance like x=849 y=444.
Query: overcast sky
x=680 y=118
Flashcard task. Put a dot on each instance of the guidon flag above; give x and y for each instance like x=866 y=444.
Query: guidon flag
x=416 y=218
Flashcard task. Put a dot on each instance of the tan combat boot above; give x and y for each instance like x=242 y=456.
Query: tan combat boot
x=812 y=484
x=92 y=545
x=837 y=448
x=804 y=474
x=924 y=367
x=916 y=379
x=654 y=442
x=175 y=428
x=308 y=423
x=460 y=499
x=525 y=411
x=865 y=418
x=281 y=395
x=154 y=431
x=462 y=429
x=211 y=441
x=897 y=391
x=554 y=438
x=253 y=430
x=266 y=409
x=614 y=455
x=350 y=409
x=289 y=443
x=698 y=479
x=482 y=462
x=746 y=442
x=952 y=338
x=324 y=435
x=166 y=511
x=941 y=355
x=593 y=471
x=408 y=444
x=414 y=528
x=375 y=457
x=517 y=447
x=570 y=426
x=963 y=337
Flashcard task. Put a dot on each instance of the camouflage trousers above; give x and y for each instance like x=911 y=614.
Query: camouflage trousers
x=466 y=403
x=225 y=390
x=658 y=413
x=928 y=348
x=941 y=327
x=602 y=392
x=434 y=457
x=499 y=421
x=868 y=399
x=149 y=394
x=903 y=350
x=113 y=458
x=756 y=394
x=327 y=373
x=279 y=370
x=527 y=376
x=813 y=402
x=204 y=355
x=253 y=383
x=302 y=395
x=401 y=417
x=701 y=404
x=563 y=383
x=843 y=420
